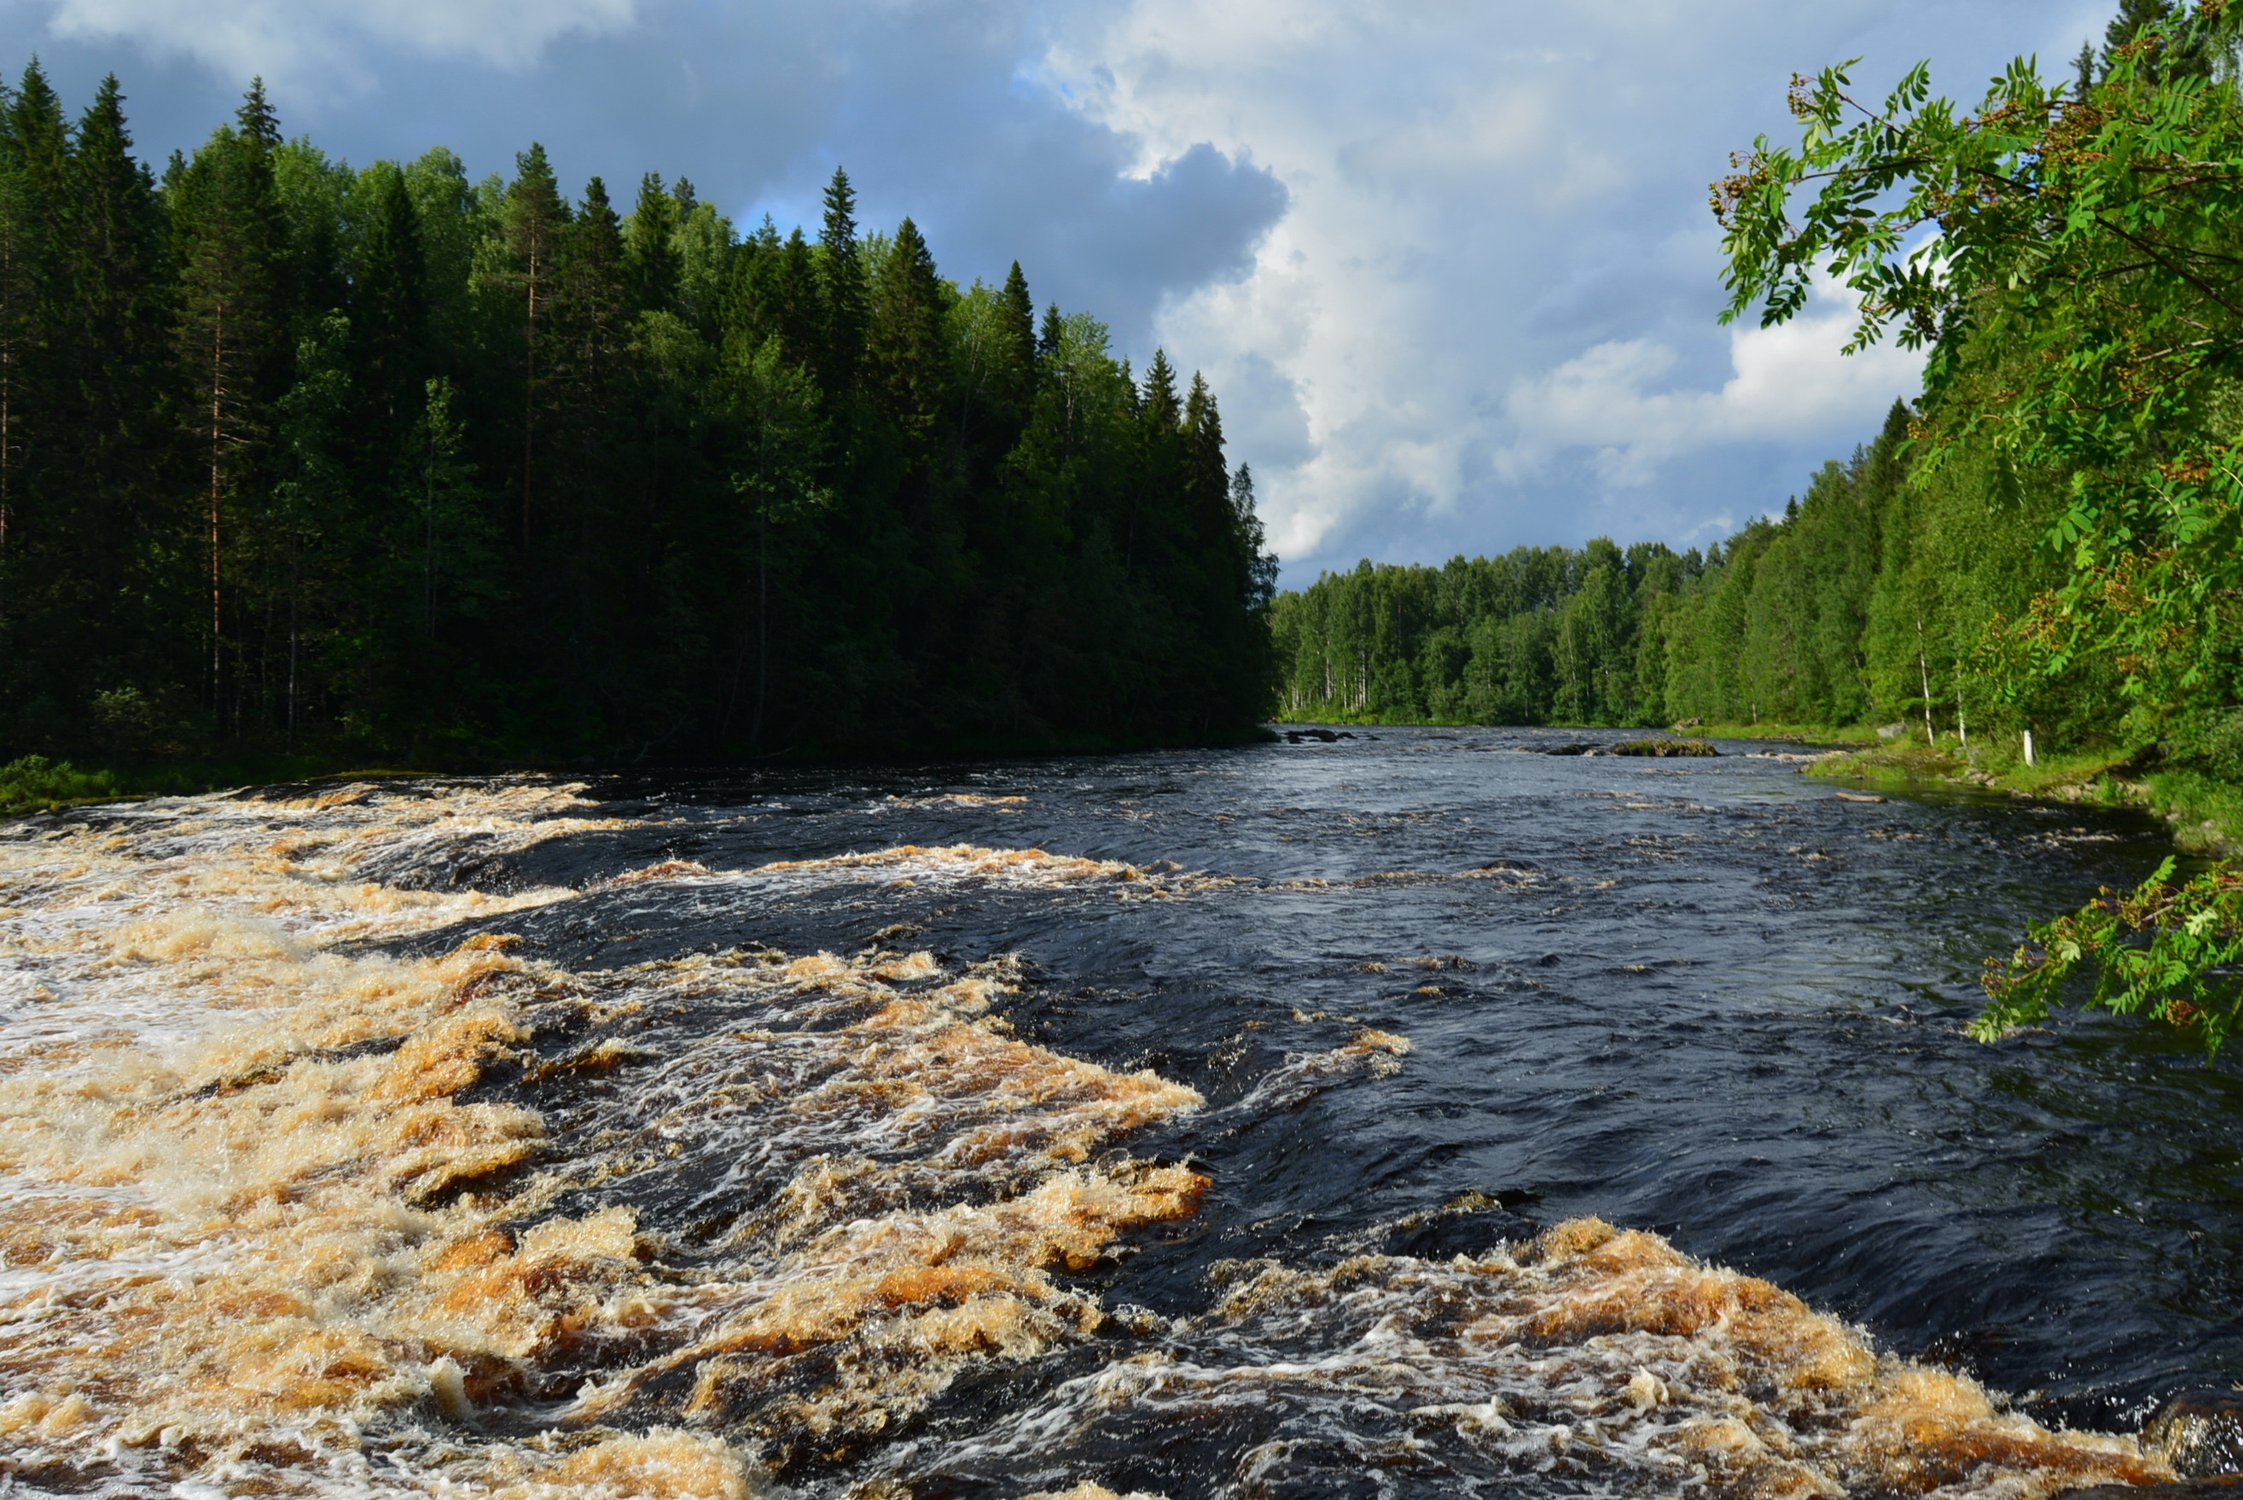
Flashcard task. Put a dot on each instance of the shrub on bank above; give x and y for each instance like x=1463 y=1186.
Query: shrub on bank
x=36 y=782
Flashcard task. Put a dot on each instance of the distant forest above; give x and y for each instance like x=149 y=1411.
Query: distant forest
x=301 y=458
x=1878 y=595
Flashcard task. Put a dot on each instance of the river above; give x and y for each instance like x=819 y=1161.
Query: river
x=1405 y=1116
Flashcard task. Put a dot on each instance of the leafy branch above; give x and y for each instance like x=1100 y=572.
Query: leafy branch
x=2163 y=950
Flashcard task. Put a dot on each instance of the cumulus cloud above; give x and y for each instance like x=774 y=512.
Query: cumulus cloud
x=320 y=44
x=1490 y=303
x=1620 y=403
x=936 y=110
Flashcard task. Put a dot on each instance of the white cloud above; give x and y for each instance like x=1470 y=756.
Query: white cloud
x=321 y=46
x=1491 y=300
x=1616 y=400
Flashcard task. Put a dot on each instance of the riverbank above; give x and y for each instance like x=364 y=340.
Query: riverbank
x=35 y=783
x=2204 y=813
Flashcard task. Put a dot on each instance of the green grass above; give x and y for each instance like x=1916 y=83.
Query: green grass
x=1798 y=734
x=1899 y=763
x=2206 y=813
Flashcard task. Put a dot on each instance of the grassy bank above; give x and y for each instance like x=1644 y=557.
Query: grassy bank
x=36 y=784
x=2205 y=813
x=1802 y=734
x=1796 y=734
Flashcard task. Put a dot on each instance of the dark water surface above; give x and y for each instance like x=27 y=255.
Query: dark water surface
x=1438 y=996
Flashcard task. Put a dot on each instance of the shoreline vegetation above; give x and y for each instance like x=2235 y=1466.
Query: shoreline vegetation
x=2203 y=812
x=36 y=783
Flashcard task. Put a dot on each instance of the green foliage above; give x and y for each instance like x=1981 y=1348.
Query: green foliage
x=2217 y=744
x=1778 y=625
x=2165 y=950
x=35 y=782
x=2081 y=248
x=1665 y=749
x=2065 y=258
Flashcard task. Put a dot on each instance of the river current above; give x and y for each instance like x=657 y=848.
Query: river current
x=1407 y=1116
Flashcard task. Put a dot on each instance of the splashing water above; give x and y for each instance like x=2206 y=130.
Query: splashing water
x=328 y=1170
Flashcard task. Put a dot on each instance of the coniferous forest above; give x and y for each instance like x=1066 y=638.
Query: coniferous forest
x=296 y=457
x=1880 y=594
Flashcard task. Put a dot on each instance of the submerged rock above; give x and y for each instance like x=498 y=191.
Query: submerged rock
x=1663 y=748
x=2200 y=1433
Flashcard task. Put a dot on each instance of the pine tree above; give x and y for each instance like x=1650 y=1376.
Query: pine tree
x=229 y=333
x=535 y=221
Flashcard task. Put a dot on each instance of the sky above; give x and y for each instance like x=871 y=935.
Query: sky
x=1447 y=264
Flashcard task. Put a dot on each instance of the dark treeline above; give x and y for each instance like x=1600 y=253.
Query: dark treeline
x=300 y=457
x=1879 y=595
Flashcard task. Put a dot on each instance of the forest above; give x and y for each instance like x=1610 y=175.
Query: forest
x=1881 y=595
x=297 y=458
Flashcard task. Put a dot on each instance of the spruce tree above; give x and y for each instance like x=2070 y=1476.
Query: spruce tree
x=35 y=524
x=650 y=246
x=904 y=350
x=389 y=311
x=841 y=286
x=1018 y=311
x=117 y=388
x=2133 y=18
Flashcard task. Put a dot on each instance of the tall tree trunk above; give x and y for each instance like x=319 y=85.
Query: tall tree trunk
x=217 y=477
x=1962 y=725
x=7 y=450
x=1923 y=666
x=762 y=620
x=7 y=404
x=428 y=537
x=529 y=397
x=295 y=626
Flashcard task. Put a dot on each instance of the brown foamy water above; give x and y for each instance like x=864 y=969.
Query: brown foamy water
x=259 y=1234
x=287 y=1212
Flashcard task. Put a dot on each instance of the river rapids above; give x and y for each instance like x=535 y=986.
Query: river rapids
x=1404 y=1117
